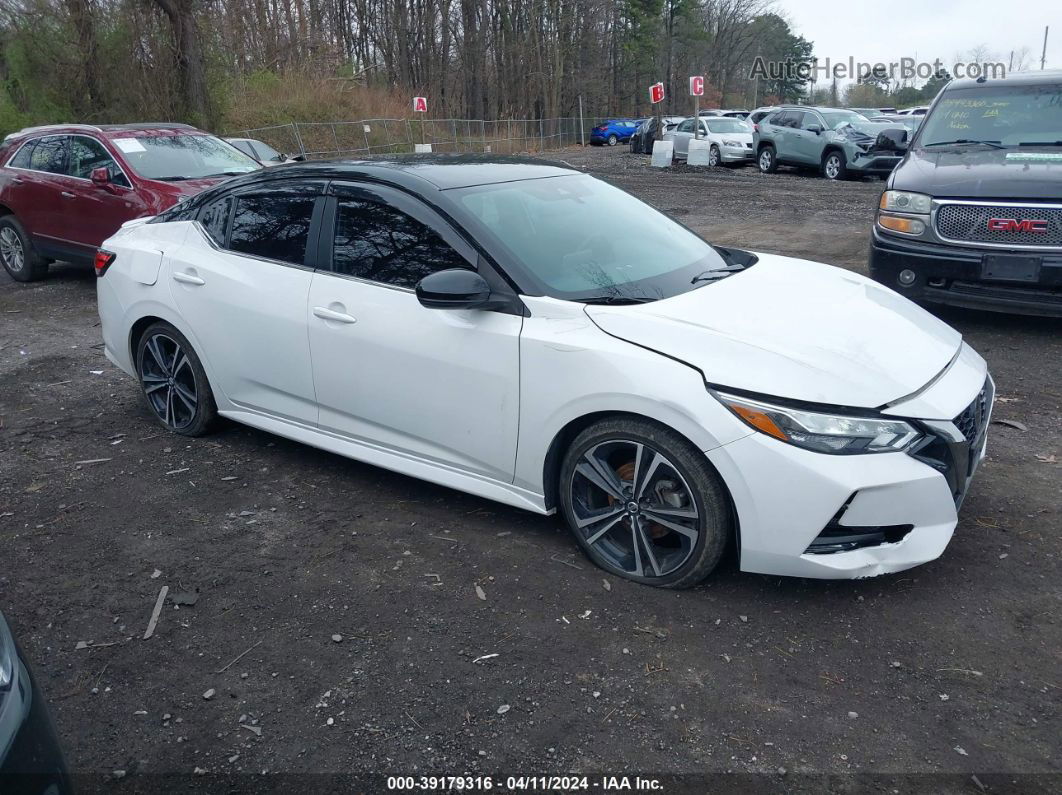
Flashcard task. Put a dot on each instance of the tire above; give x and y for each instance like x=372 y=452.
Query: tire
x=835 y=165
x=714 y=158
x=767 y=160
x=169 y=371
x=683 y=490
x=612 y=139
x=20 y=259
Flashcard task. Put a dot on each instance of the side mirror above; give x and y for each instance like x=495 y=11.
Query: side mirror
x=298 y=158
x=814 y=128
x=100 y=177
x=455 y=288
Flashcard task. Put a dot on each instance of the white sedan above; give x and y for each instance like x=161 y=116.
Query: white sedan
x=729 y=140
x=532 y=335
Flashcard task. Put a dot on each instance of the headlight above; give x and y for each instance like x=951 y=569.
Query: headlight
x=837 y=434
x=731 y=143
x=900 y=201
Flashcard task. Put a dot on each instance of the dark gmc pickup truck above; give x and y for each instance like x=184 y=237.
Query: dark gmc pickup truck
x=972 y=215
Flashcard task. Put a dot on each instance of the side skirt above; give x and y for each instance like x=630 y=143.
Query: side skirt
x=430 y=471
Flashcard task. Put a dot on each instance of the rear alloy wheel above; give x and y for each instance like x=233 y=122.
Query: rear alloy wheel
x=173 y=381
x=835 y=166
x=644 y=504
x=613 y=139
x=714 y=158
x=767 y=161
x=17 y=253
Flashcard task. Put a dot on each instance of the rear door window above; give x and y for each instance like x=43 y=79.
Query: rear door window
x=22 y=156
x=50 y=155
x=273 y=224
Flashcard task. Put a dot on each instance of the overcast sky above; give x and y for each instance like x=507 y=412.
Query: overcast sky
x=876 y=31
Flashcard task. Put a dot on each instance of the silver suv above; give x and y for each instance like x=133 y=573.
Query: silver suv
x=838 y=142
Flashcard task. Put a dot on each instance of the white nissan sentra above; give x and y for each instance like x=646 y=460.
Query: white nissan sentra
x=524 y=332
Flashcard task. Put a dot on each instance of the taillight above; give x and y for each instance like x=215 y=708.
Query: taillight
x=103 y=261
x=755 y=127
x=602 y=128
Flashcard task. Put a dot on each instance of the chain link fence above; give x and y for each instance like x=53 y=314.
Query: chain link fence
x=323 y=140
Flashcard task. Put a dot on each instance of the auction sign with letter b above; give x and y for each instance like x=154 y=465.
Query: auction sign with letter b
x=656 y=93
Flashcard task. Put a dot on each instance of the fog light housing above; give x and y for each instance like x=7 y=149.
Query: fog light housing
x=907 y=277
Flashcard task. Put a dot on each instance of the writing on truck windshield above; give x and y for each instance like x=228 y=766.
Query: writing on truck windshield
x=1008 y=116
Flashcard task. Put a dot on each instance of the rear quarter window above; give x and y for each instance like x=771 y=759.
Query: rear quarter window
x=22 y=155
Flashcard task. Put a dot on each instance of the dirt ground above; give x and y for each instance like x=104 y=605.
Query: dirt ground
x=946 y=677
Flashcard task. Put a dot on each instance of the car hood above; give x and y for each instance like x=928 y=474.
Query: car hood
x=794 y=329
x=185 y=187
x=981 y=173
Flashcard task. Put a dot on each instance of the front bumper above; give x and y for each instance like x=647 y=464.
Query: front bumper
x=807 y=514
x=873 y=162
x=735 y=154
x=952 y=275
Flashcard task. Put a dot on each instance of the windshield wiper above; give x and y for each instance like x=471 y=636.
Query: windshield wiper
x=993 y=144
x=173 y=179
x=617 y=300
x=717 y=273
x=1040 y=143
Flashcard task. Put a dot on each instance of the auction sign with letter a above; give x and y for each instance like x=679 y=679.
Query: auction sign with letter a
x=420 y=104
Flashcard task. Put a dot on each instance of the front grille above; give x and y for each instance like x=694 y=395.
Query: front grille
x=971 y=422
x=968 y=223
x=956 y=461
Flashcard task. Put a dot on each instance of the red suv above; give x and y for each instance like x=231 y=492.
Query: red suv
x=64 y=189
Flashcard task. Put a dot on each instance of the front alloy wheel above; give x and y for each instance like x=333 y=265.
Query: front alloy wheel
x=644 y=506
x=834 y=166
x=713 y=156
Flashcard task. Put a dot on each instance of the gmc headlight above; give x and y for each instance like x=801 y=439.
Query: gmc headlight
x=901 y=201
x=837 y=434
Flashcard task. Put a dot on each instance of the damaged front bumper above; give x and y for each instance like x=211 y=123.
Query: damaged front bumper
x=807 y=514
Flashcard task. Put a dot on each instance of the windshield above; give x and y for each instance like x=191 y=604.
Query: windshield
x=1007 y=115
x=267 y=152
x=177 y=157
x=727 y=126
x=835 y=118
x=578 y=238
x=870 y=113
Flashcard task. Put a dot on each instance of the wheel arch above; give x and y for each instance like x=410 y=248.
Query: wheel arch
x=5 y=210
x=551 y=464
x=830 y=149
x=156 y=313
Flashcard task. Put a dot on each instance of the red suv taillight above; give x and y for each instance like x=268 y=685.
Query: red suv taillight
x=103 y=261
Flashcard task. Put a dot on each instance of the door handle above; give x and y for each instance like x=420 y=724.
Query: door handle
x=67 y=195
x=17 y=180
x=330 y=314
x=187 y=278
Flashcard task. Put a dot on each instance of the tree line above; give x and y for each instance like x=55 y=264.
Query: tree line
x=199 y=61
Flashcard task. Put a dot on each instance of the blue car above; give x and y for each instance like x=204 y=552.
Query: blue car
x=613 y=131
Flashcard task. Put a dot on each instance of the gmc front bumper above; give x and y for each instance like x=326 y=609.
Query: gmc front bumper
x=952 y=275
